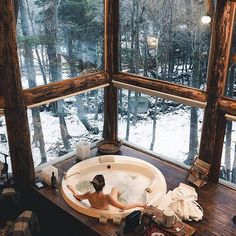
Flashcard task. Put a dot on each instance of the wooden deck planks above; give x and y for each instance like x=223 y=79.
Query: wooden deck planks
x=218 y=201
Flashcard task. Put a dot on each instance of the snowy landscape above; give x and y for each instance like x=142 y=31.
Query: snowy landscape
x=159 y=40
x=172 y=135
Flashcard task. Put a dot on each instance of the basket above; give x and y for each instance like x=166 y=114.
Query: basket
x=108 y=146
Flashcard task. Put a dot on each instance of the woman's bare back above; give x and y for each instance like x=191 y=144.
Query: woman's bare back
x=102 y=201
x=99 y=200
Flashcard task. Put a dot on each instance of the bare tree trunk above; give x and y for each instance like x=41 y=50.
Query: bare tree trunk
x=131 y=69
x=234 y=166
x=44 y=61
x=79 y=99
x=82 y=115
x=155 y=107
x=163 y=67
x=170 y=42
x=38 y=134
x=145 y=65
x=30 y=73
x=135 y=111
x=41 y=65
x=193 y=137
x=120 y=99
x=128 y=116
x=55 y=64
x=230 y=90
x=64 y=132
x=228 y=149
x=136 y=59
x=186 y=60
x=96 y=105
x=154 y=125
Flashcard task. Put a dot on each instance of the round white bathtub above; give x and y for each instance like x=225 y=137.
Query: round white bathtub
x=137 y=181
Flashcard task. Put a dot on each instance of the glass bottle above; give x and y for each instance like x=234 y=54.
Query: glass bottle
x=53 y=180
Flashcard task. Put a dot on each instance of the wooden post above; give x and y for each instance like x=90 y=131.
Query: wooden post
x=110 y=130
x=220 y=134
x=209 y=7
x=11 y=90
x=216 y=77
x=228 y=105
x=2 y=103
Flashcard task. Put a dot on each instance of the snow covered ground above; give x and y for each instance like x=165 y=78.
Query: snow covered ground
x=172 y=134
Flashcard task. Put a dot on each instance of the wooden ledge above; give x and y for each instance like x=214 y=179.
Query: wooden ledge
x=218 y=201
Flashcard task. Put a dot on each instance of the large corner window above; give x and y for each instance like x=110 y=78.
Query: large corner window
x=166 y=40
x=169 y=129
x=59 y=39
x=56 y=127
x=228 y=160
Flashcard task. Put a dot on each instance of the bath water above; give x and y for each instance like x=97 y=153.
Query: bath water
x=131 y=185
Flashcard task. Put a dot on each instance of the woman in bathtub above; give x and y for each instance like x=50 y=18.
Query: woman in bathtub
x=100 y=200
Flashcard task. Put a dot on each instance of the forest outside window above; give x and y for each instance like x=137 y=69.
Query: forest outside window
x=165 y=40
x=59 y=39
x=55 y=127
x=170 y=129
x=4 y=146
x=228 y=160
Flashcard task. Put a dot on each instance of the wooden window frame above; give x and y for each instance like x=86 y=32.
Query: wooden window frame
x=216 y=104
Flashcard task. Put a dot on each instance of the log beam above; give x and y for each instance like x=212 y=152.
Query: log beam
x=228 y=106
x=209 y=8
x=58 y=89
x=2 y=103
x=11 y=90
x=216 y=77
x=161 y=86
x=63 y=88
x=110 y=129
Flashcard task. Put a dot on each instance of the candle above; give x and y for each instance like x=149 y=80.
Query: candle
x=82 y=150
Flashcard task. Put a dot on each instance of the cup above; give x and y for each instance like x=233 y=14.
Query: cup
x=82 y=149
x=169 y=218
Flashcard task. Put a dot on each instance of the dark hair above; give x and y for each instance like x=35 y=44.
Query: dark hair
x=98 y=182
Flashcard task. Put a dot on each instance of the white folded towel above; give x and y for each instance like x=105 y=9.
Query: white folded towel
x=182 y=200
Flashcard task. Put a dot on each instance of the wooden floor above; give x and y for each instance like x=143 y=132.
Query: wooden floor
x=218 y=202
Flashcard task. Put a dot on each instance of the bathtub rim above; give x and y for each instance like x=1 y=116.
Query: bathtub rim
x=108 y=214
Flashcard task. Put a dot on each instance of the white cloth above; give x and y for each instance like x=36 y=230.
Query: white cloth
x=184 y=191
x=182 y=200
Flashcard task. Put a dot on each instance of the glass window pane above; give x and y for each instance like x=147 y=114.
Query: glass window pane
x=56 y=127
x=230 y=85
x=170 y=129
x=59 y=39
x=228 y=160
x=4 y=147
x=165 y=40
